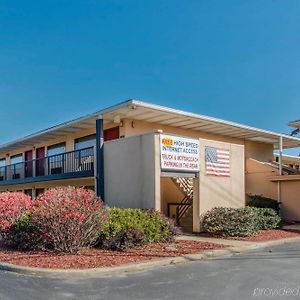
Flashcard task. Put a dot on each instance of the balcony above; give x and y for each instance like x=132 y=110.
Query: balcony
x=73 y=164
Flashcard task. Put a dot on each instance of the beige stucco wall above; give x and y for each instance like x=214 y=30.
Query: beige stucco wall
x=214 y=191
x=259 y=151
x=217 y=191
x=132 y=175
x=289 y=195
x=290 y=199
x=257 y=179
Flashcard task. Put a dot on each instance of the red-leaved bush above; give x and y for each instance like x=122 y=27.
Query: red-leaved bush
x=68 y=218
x=12 y=207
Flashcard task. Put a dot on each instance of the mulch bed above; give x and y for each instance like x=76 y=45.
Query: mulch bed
x=95 y=258
x=263 y=235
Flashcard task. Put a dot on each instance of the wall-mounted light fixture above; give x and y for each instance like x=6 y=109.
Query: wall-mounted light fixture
x=117 y=119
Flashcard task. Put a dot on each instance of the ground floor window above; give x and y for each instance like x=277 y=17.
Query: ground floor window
x=28 y=192
x=39 y=192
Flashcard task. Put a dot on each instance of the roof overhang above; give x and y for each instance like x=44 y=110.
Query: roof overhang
x=295 y=124
x=138 y=110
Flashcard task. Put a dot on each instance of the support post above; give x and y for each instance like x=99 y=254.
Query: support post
x=280 y=154
x=99 y=158
x=196 y=204
x=279 y=173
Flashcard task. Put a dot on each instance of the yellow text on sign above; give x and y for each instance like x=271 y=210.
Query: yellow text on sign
x=168 y=142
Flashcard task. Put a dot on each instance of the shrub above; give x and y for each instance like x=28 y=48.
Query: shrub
x=12 y=206
x=23 y=234
x=230 y=221
x=245 y=221
x=262 y=202
x=266 y=218
x=68 y=218
x=152 y=224
x=126 y=239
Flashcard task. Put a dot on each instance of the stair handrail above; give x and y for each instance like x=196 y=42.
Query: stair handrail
x=186 y=186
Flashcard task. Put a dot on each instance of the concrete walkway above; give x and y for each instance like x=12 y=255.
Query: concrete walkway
x=234 y=243
x=237 y=246
x=292 y=227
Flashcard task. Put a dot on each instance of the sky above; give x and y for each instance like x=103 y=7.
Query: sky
x=236 y=60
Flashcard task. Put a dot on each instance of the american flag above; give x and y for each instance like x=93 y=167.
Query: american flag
x=217 y=161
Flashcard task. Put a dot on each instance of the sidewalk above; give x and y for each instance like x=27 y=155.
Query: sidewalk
x=292 y=227
x=237 y=246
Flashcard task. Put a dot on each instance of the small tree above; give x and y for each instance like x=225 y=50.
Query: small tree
x=68 y=218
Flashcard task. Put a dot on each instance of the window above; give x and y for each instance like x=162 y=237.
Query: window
x=56 y=149
x=2 y=162
x=2 y=168
x=28 y=192
x=39 y=192
x=16 y=159
x=85 y=142
x=56 y=158
x=84 y=155
x=16 y=166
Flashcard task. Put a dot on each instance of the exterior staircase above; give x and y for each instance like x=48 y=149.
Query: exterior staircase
x=286 y=170
x=184 y=210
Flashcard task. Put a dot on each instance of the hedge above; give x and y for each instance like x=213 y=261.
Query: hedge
x=240 y=222
x=267 y=218
x=155 y=227
x=262 y=202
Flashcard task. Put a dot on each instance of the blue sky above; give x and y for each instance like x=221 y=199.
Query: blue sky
x=236 y=60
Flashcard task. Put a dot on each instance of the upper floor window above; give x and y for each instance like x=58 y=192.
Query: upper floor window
x=2 y=162
x=16 y=159
x=85 y=142
x=56 y=149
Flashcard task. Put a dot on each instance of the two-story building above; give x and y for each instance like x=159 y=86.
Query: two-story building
x=136 y=154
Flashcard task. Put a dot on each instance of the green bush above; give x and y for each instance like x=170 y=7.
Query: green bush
x=126 y=239
x=240 y=222
x=23 y=234
x=266 y=218
x=230 y=221
x=152 y=224
x=262 y=202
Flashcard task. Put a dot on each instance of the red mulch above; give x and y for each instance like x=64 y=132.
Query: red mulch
x=94 y=258
x=263 y=235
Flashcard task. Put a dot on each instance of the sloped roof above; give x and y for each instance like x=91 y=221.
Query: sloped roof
x=139 y=110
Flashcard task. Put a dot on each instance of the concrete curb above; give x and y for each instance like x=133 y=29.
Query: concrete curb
x=143 y=266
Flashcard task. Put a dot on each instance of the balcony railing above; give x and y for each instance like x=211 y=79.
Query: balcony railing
x=73 y=163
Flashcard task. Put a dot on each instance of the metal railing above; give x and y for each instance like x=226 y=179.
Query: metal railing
x=186 y=186
x=69 y=162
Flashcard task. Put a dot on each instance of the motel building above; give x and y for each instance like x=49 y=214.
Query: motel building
x=139 y=155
